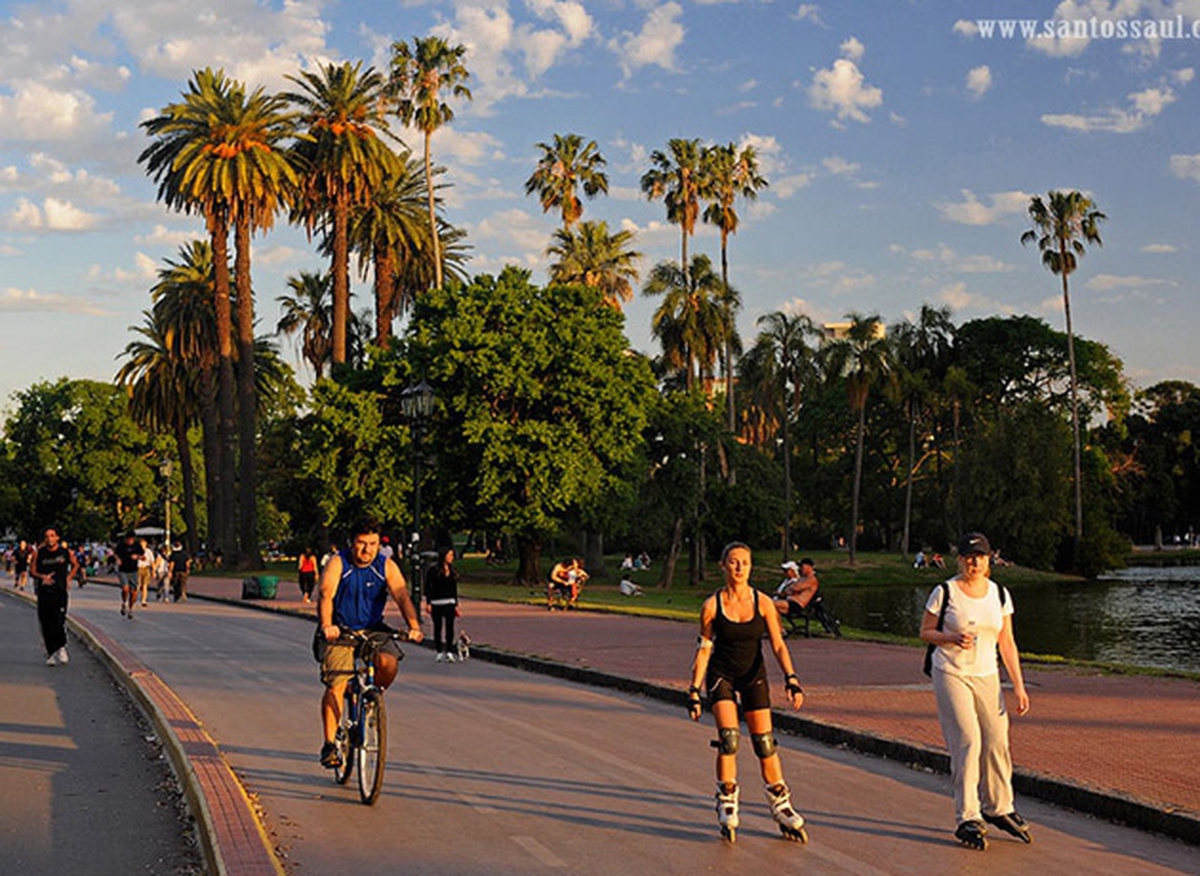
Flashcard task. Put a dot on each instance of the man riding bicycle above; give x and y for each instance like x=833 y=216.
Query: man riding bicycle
x=355 y=586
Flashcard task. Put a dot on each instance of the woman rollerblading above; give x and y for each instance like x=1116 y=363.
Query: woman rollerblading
x=729 y=664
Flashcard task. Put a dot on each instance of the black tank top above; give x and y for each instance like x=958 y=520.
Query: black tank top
x=737 y=647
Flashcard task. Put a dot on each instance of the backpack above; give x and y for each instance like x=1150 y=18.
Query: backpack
x=941 y=622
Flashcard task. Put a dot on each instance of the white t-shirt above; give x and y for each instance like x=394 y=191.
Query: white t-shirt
x=988 y=616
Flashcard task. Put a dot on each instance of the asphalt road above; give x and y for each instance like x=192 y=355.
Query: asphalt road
x=83 y=788
x=496 y=771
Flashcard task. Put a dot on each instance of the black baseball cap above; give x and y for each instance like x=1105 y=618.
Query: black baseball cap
x=974 y=544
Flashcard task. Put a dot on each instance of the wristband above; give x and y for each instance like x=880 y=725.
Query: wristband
x=792 y=683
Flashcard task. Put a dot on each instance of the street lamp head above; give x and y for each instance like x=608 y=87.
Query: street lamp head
x=417 y=401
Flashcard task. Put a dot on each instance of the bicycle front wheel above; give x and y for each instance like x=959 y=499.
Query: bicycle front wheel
x=372 y=749
x=343 y=740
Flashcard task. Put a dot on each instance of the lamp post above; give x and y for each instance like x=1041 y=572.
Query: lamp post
x=165 y=470
x=417 y=403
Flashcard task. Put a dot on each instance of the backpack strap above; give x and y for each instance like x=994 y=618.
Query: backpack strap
x=941 y=622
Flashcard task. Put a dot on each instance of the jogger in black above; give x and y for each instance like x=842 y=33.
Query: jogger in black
x=53 y=566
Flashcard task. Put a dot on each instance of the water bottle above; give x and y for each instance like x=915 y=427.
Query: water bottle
x=973 y=651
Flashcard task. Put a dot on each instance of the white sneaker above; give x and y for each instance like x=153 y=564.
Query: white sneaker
x=50 y=661
x=441 y=658
x=449 y=657
x=62 y=655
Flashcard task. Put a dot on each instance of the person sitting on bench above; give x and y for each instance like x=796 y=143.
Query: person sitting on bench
x=798 y=588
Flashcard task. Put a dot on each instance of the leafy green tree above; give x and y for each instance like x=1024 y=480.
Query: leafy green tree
x=693 y=322
x=732 y=173
x=562 y=170
x=345 y=162
x=419 y=75
x=863 y=358
x=677 y=177
x=540 y=405
x=592 y=256
x=1063 y=225
x=308 y=310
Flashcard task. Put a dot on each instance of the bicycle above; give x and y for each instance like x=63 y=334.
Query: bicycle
x=361 y=737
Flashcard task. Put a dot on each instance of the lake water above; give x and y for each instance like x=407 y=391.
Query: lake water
x=1139 y=616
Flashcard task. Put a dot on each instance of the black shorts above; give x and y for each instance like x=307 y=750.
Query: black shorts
x=752 y=692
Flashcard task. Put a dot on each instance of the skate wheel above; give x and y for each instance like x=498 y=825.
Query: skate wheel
x=729 y=834
x=796 y=836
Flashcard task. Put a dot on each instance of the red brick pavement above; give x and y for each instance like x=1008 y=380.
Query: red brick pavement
x=1129 y=736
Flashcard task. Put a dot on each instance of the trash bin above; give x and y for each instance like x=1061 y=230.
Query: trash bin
x=267 y=586
x=250 y=588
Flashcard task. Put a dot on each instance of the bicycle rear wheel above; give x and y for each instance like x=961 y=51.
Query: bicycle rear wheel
x=372 y=749
x=343 y=741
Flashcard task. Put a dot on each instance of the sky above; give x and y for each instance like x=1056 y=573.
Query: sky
x=902 y=144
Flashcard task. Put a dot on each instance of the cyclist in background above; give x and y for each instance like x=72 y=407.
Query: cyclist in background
x=355 y=586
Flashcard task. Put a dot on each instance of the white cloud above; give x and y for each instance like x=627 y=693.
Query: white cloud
x=809 y=12
x=748 y=85
x=574 y=18
x=1186 y=166
x=517 y=228
x=1184 y=76
x=1116 y=120
x=160 y=235
x=771 y=159
x=964 y=28
x=37 y=113
x=789 y=185
x=979 y=80
x=14 y=300
x=843 y=89
x=965 y=264
x=655 y=44
x=839 y=166
x=1159 y=248
x=53 y=215
x=852 y=49
x=971 y=211
x=1110 y=282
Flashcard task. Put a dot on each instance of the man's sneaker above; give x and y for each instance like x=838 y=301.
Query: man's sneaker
x=50 y=661
x=441 y=657
x=330 y=759
x=450 y=657
x=1012 y=823
x=122 y=609
x=62 y=655
x=972 y=834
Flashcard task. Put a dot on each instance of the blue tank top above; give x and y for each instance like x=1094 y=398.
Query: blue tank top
x=362 y=593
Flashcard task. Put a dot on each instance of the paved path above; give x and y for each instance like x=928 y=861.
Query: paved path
x=78 y=772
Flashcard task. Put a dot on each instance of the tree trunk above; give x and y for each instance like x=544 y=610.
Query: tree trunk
x=433 y=230
x=211 y=446
x=341 y=278
x=592 y=544
x=1074 y=415
x=223 y=530
x=668 y=570
x=249 y=558
x=787 y=487
x=529 y=568
x=188 y=474
x=908 y=486
x=858 y=460
x=385 y=295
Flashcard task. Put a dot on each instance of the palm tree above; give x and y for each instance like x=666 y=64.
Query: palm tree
x=189 y=160
x=562 y=170
x=678 y=178
x=1063 y=225
x=418 y=76
x=163 y=398
x=778 y=369
x=692 y=322
x=592 y=256
x=732 y=174
x=309 y=310
x=864 y=359
x=345 y=162
x=184 y=303
x=920 y=351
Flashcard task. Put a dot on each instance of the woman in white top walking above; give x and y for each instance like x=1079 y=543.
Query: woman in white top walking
x=966 y=682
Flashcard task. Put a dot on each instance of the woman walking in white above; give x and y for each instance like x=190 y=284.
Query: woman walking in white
x=967 y=631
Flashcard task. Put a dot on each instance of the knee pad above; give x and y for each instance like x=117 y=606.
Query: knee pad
x=728 y=743
x=764 y=744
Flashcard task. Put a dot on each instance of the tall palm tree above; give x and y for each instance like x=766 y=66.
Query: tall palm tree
x=692 y=322
x=590 y=255
x=677 y=177
x=864 y=359
x=780 y=368
x=309 y=311
x=189 y=160
x=163 y=398
x=389 y=232
x=1063 y=225
x=419 y=74
x=184 y=303
x=345 y=162
x=562 y=170
x=920 y=353
x=732 y=174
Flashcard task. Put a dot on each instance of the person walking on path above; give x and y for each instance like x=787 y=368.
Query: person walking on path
x=355 y=587
x=441 y=595
x=306 y=570
x=128 y=552
x=53 y=566
x=179 y=567
x=966 y=620
x=21 y=557
x=729 y=664
x=145 y=572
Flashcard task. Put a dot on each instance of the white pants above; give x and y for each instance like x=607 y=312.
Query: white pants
x=975 y=727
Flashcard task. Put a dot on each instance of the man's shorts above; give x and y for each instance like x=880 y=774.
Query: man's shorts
x=127 y=579
x=337 y=660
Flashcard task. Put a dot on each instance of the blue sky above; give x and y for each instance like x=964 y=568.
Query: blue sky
x=901 y=144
